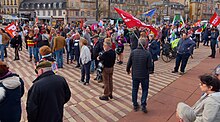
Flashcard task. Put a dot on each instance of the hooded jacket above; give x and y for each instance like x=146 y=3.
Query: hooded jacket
x=11 y=91
x=207 y=108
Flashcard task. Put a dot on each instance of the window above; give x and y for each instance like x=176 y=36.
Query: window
x=4 y=2
x=54 y=13
x=11 y=2
x=7 y=2
x=60 y=13
x=12 y=11
x=82 y=13
x=16 y=11
x=77 y=13
x=15 y=2
x=38 y=13
x=88 y=13
x=49 y=13
x=44 y=13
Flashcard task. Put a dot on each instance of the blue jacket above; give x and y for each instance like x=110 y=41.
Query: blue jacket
x=185 y=46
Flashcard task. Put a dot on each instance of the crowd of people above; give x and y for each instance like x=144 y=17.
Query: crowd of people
x=94 y=49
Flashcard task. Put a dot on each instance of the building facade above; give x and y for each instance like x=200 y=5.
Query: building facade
x=46 y=11
x=201 y=9
x=9 y=7
x=134 y=7
x=81 y=9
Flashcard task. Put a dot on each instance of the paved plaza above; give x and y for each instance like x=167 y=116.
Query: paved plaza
x=84 y=104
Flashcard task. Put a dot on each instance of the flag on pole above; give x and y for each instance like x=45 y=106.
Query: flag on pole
x=132 y=21
x=198 y=31
x=197 y=23
x=178 y=18
x=11 y=29
x=150 y=13
x=215 y=19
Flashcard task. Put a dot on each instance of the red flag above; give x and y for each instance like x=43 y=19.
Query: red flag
x=11 y=29
x=132 y=21
x=215 y=19
x=197 y=23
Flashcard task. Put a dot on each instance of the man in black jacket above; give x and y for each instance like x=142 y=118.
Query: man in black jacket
x=47 y=96
x=140 y=60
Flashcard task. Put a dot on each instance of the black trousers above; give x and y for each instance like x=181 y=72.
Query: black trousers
x=16 y=53
x=213 y=49
x=183 y=59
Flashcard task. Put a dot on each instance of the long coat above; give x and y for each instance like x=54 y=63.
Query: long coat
x=46 y=98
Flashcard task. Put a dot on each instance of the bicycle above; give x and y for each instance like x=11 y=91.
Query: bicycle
x=168 y=53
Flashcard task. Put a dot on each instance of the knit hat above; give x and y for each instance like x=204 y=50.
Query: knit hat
x=45 y=50
x=185 y=112
x=4 y=69
x=42 y=64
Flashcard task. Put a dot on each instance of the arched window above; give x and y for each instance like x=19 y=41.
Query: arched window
x=60 y=5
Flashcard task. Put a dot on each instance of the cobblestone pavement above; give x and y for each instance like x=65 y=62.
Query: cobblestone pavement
x=84 y=104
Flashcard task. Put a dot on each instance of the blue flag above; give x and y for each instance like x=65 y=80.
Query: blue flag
x=150 y=13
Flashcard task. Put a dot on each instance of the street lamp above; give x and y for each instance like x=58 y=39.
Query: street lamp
x=97 y=10
x=109 y=8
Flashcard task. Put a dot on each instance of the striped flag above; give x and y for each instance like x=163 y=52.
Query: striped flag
x=178 y=18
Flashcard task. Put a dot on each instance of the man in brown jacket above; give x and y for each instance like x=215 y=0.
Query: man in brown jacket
x=4 y=39
x=58 y=46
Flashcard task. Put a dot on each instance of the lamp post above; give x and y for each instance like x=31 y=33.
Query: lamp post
x=97 y=10
x=109 y=8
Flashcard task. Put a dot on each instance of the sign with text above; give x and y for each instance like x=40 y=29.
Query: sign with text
x=11 y=29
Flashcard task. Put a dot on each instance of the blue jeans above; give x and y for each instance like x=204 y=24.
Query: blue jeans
x=2 y=49
x=36 y=54
x=135 y=86
x=31 y=51
x=85 y=70
x=183 y=59
x=59 y=57
x=92 y=68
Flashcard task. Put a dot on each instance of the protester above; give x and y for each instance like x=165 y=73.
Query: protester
x=120 y=49
x=184 y=50
x=4 y=39
x=11 y=91
x=85 y=59
x=58 y=47
x=76 y=48
x=153 y=49
x=207 y=107
x=47 y=95
x=46 y=53
x=140 y=60
x=37 y=40
x=30 y=44
x=214 y=36
x=16 y=43
x=108 y=60
x=68 y=46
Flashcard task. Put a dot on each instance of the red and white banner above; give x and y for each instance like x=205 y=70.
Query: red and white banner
x=215 y=19
x=11 y=29
x=132 y=21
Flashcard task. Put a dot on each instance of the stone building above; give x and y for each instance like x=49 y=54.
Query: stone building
x=45 y=10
